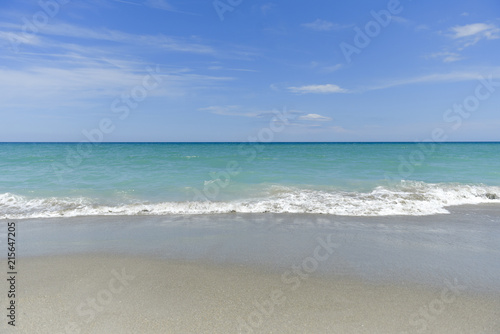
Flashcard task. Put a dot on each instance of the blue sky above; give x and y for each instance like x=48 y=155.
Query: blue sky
x=156 y=70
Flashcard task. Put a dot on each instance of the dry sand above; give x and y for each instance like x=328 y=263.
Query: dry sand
x=123 y=294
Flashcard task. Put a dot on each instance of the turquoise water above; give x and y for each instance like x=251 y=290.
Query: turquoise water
x=45 y=180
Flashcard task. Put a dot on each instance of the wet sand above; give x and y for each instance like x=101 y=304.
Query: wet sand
x=259 y=274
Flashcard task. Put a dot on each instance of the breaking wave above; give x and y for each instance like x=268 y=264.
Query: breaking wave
x=407 y=198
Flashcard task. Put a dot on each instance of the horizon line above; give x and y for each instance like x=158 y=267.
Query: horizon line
x=247 y=142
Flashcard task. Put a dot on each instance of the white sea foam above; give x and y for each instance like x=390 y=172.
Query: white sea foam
x=407 y=198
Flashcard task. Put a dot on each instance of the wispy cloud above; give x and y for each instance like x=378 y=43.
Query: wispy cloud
x=232 y=110
x=267 y=8
x=455 y=76
x=315 y=117
x=295 y=116
x=465 y=36
x=222 y=68
x=330 y=69
x=422 y=27
x=92 y=84
x=318 y=89
x=326 y=68
x=53 y=36
x=164 y=5
x=10 y=39
x=470 y=34
x=445 y=56
x=159 y=4
x=155 y=4
x=339 y=129
x=322 y=25
x=128 y=2
x=48 y=33
x=158 y=41
x=486 y=30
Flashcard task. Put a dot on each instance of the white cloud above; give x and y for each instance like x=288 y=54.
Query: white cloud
x=68 y=30
x=465 y=36
x=92 y=84
x=322 y=25
x=118 y=42
x=318 y=89
x=488 y=30
x=314 y=117
x=13 y=40
x=470 y=34
x=446 y=56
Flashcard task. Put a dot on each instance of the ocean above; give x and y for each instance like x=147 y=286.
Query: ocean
x=39 y=180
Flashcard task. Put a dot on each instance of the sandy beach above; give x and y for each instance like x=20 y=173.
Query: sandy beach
x=106 y=294
x=260 y=274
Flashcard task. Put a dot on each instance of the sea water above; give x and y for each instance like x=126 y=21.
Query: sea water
x=354 y=179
